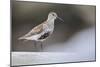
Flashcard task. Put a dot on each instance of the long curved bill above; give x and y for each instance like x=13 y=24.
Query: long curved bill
x=60 y=19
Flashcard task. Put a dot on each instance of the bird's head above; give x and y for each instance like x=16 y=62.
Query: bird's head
x=53 y=15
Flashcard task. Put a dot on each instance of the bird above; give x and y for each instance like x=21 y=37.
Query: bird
x=42 y=31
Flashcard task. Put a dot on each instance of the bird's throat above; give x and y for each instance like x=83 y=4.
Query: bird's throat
x=50 y=22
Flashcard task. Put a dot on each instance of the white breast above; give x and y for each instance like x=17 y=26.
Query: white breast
x=50 y=26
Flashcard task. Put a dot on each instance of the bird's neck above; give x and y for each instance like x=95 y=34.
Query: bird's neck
x=50 y=24
x=50 y=20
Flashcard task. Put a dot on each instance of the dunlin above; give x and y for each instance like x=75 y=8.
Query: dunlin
x=42 y=31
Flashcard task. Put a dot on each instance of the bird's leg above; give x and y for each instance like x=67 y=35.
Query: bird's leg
x=41 y=46
x=35 y=45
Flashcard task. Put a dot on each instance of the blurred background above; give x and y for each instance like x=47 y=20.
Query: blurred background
x=75 y=34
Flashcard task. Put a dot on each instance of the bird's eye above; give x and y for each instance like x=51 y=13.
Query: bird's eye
x=53 y=14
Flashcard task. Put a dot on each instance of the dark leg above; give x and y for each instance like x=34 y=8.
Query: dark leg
x=35 y=47
x=41 y=46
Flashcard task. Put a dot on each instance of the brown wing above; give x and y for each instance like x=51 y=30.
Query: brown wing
x=36 y=30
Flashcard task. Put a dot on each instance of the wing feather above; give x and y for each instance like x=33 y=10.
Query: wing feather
x=36 y=30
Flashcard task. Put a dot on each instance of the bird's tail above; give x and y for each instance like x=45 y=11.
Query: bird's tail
x=20 y=38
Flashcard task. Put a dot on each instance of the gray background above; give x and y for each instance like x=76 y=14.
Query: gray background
x=77 y=18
